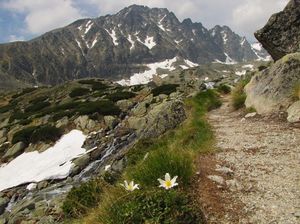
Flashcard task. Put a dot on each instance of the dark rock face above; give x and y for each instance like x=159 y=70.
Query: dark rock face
x=116 y=46
x=281 y=35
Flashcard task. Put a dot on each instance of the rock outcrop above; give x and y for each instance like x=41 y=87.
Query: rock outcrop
x=281 y=35
x=271 y=90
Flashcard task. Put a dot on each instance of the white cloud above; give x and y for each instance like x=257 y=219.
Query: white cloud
x=243 y=16
x=44 y=15
x=13 y=38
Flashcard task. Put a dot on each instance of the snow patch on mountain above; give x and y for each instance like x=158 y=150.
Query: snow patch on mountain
x=112 y=34
x=149 y=42
x=147 y=76
x=88 y=26
x=54 y=163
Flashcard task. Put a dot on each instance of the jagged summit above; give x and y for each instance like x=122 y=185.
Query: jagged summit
x=117 y=46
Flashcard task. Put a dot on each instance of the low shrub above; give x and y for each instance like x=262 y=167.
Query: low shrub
x=238 y=94
x=82 y=198
x=224 y=89
x=261 y=67
x=46 y=133
x=160 y=162
x=37 y=107
x=18 y=115
x=34 y=134
x=25 y=121
x=38 y=99
x=164 y=89
x=88 y=81
x=99 y=86
x=24 y=91
x=102 y=107
x=62 y=114
x=119 y=95
x=79 y=92
x=7 y=108
x=24 y=135
x=152 y=206
x=296 y=91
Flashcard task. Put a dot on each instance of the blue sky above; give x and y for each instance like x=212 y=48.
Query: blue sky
x=26 y=19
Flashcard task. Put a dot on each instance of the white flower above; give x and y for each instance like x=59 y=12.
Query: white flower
x=168 y=183
x=131 y=186
x=106 y=168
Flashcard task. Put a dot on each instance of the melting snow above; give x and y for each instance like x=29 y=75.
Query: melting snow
x=88 y=26
x=178 y=41
x=160 y=25
x=163 y=76
x=257 y=46
x=94 y=42
x=184 y=66
x=251 y=67
x=131 y=41
x=240 y=73
x=224 y=36
x=113 y=36
x=191 y=64
x=149 y=42
x=54 y=163
x=243 y=41
x=78 y=43
x=147 y=76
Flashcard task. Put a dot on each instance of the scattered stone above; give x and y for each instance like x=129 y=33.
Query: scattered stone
x=294 y=112
x=224 y=170
x=249 y=115
x=41 y=185
x=233 y=185
x=3 y=203
x=140 y=109
x=15 y=150
x=84 y=123
x=31 y=186
x=217 y=179
x=125 y=105
x=62 y=122
x=110 y=121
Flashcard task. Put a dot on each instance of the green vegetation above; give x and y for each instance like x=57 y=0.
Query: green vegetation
x=38 y=99
x=82 y=198
x=224 y=89
x=35 y=134
x=296 y=92
x=159 y=163
x=164 y=89
x=24 y=91
x=156 y=206
x=79 y=91
x=7 y=108
x=173 y=153
x=238 y=94
x=102 y=107
x=62 y=114
x=99 y=86
x=119 y=95
x=36 y=107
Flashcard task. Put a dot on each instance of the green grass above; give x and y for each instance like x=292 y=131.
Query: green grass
x=224 y=89
x=152 y=207
x=34 y=134
x=164 y=89
x=120 y=95
x=238 y=94
x=79 y=91
x=150 y=159
x=80 y=199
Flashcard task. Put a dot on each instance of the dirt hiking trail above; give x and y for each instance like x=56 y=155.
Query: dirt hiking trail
x=254 y=177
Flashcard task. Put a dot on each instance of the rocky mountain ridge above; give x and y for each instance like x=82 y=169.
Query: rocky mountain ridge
x=117 y=46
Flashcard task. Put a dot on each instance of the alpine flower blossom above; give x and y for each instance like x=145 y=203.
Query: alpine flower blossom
x=168 y=183
x=131 y=186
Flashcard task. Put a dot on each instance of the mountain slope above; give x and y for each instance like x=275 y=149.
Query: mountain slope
x=116 y=46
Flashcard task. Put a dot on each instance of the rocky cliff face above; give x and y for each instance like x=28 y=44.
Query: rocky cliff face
x=281 y=35
x=116 y=46
x=276 y=88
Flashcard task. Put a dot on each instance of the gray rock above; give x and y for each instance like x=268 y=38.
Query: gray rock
x=294 y=112
x=233 y=185
x=62 y=122
x=41 y=185
x=217 y=179
x=3 y=132
x=3 y=221
x=224 y=170
x=249 y=115
x=15 y=150
x=280 y=36
x=124 y=104
x=83 y=123
x=3 y=203
x=140 y=109
x=110 y=121
x=270 y=90
x=137 y=123
x=80 y=163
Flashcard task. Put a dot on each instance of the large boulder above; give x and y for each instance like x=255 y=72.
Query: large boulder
x=294 y=112
x=159 y=119
x=271 y=90
x=3 y=203
x=281 y=35
x=15 y=150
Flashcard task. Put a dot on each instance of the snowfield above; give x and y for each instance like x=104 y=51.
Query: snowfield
x=54 y=163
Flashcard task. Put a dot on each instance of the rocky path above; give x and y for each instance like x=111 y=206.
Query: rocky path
x=255 y=175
